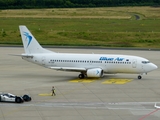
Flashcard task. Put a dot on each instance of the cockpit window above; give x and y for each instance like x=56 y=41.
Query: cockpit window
x=145 y=62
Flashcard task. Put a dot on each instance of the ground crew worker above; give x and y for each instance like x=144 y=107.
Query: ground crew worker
x=53 y=91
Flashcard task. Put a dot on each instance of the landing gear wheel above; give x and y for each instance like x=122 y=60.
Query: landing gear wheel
x=139 y=77
x=81 y=76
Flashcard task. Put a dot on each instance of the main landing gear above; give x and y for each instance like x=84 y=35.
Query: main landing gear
x=82 y=75
x=139 y=77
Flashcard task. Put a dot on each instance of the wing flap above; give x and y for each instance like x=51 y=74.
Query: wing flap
x=75 y=69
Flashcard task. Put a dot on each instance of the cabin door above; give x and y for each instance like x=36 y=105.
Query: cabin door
x=134 y=63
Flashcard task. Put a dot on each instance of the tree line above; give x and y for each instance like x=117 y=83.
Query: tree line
x=28 y=4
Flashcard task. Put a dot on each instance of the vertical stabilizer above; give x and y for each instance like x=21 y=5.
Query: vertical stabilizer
x=30 y=44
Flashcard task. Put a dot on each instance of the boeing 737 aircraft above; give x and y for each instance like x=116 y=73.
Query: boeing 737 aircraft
x=89 y=65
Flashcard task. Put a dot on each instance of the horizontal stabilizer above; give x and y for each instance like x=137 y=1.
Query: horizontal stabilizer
x=22 y=55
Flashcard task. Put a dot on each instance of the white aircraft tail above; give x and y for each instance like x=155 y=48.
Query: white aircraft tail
x=30 y=44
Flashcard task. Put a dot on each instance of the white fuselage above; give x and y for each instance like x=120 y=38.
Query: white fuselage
x=107 y=62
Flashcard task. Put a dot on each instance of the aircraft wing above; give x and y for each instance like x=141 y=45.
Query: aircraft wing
x=75 y=69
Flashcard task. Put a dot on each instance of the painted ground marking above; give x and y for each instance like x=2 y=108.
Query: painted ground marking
x=117 y=81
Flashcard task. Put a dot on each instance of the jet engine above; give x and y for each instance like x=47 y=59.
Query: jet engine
x=95 y=72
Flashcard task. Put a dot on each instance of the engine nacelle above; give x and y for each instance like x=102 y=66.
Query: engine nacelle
x=95 y=72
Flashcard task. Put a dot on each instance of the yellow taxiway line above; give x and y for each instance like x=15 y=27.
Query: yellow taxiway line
x=117 y=81
x=87 y=80
x=45 y=94
x=109 y=81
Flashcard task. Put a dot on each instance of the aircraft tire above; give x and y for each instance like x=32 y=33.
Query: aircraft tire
x=81 y=76
x=139 y=77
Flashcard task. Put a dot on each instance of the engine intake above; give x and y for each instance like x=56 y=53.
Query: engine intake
x=95 y=72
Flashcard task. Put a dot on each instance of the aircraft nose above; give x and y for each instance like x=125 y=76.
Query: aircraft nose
x=153 y=66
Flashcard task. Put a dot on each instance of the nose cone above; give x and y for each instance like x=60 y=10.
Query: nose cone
x=153 y=66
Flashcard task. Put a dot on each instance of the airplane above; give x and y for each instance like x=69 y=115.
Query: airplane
x=88 y=65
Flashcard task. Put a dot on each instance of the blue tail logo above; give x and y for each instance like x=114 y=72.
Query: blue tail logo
x=28 y=37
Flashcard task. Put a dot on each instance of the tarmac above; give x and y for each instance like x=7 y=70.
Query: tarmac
x=113 y=97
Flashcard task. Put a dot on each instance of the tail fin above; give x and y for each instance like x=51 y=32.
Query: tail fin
x=30 y=43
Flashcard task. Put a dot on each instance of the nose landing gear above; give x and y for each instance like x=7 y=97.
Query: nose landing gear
x=140 y=76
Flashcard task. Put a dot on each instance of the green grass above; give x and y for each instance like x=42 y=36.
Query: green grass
x=85 y=30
